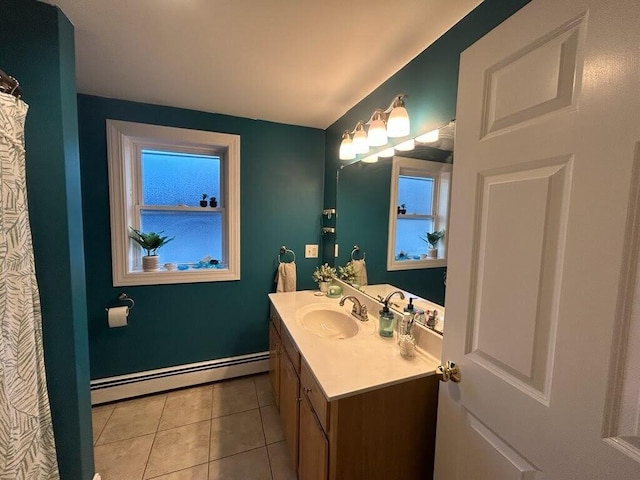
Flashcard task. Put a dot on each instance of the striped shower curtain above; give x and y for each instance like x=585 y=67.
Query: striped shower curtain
x=27 y=448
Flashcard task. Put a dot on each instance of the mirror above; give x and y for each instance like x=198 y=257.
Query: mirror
x=363 y=205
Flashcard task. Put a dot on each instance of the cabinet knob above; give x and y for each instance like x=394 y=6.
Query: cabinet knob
x=306 y=389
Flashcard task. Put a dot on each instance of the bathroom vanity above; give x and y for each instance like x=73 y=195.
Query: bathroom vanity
x=351 y=406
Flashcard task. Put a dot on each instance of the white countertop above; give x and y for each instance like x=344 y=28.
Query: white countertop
x=344 y=367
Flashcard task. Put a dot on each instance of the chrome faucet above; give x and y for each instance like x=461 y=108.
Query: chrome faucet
x=359 y=310
x=386 y=300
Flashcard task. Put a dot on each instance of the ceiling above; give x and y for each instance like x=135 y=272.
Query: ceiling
x=300 y=62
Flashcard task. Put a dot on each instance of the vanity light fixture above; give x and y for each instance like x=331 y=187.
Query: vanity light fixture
x=429 y=137
x=406 y=146
x=370 y=159
x=360 y=143
x=346 y=147
x=383 y=124
x=388 y=153
x=398 y=123
x=377 y=135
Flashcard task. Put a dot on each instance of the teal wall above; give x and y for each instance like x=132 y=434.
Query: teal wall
x=431 y=83
x=36 y=46
x=282 y=171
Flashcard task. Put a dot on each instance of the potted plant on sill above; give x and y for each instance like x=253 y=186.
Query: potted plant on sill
x=432 y=238
x=213 y=203
x=150 y=242
x=323 y=275
x=203 y=202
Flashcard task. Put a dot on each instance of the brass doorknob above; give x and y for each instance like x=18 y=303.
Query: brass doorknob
x=449 y=371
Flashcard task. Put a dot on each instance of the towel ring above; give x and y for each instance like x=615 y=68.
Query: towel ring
x=356 y=249
x=283 y=250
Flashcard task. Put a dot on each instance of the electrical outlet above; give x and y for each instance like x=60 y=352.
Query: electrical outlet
x=311 y=251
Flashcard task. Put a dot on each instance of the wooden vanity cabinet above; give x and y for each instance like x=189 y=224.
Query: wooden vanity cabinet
x=382 y=434
x=274 y=362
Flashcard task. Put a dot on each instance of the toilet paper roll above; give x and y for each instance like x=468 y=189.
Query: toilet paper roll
x=117 y=316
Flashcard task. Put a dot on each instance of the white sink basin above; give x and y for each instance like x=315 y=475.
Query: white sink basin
x=328 y=321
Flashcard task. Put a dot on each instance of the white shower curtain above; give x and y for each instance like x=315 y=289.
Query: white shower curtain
x=27 y=448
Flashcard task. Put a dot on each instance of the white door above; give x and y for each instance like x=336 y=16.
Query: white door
x=542 y=303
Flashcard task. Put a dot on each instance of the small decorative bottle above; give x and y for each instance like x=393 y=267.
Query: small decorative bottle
x=406 y=340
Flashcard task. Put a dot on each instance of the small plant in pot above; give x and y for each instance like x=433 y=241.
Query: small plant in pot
x=323 y=275
x=348 y=273
x=203 y=202
x=213 y=203
x=150 y=243
x=432 y=238
x=402 y=209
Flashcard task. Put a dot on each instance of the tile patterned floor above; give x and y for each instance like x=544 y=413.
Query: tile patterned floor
x=223 y=431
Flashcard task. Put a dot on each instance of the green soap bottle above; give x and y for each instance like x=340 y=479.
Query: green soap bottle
x=386 y=322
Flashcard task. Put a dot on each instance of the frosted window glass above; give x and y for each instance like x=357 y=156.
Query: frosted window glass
x=416 y=193
x=170 y=178
x=408 y=232
x=197 y=235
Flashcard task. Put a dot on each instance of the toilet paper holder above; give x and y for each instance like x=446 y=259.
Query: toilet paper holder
x=123 y=297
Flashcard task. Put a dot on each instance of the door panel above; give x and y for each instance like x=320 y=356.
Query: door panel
x=542 y=298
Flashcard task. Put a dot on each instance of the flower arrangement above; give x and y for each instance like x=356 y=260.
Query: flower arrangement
x=432 y=238
x=347 y=273
x=324 y=273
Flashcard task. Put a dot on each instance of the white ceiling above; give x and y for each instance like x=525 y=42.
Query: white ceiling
x=301 y=62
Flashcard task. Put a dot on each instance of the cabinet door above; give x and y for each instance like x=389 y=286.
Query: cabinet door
x=314 y=447
x=289 y=406
x=274 y=362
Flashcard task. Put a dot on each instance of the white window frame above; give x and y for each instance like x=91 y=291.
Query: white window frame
x=441 y=174
x=125 y=142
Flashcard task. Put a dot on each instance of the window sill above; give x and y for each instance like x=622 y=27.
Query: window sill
x=164 y=277
x=417 y=264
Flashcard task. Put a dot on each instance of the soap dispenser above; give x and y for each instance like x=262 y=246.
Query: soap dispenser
x=386 y=319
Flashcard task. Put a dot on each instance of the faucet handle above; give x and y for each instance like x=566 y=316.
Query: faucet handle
x=363 y=311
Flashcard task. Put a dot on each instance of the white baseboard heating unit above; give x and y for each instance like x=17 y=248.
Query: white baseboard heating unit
x=110 y=389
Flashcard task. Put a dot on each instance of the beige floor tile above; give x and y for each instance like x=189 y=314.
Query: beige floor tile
x=199 y=472
x=179 y=448
x=187 y=406
x=271 y=424
x=133 y=419
x=122 y=460
x=236 y=433
x=251 y=465
x=280 y=460
x=99 y=417
x=263 y=389
x=233 y=396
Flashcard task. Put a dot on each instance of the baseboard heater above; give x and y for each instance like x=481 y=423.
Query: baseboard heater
x=110 y=389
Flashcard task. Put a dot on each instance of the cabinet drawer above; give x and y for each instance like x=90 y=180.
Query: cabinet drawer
x=291 y=349
x=312 y=390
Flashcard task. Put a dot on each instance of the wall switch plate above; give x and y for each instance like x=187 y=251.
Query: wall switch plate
x=335 y=250
x=311 y=251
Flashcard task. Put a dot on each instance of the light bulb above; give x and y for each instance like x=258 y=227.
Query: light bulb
x=360 y=144
x=377 y=135
x=406 y=146
x=370 y=159
x=398 y=123
x=386 y=153
x=429 y=137
x=346 y=147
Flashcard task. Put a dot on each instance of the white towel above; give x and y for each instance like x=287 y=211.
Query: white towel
x=361 y=272
x=286 y=277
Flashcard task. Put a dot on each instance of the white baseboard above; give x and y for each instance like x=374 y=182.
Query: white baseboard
x=110 y=389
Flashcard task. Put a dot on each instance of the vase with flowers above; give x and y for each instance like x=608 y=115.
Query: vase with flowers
x=323 y=275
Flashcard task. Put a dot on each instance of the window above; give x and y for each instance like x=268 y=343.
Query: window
x=157 y=177
x=419 y=204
